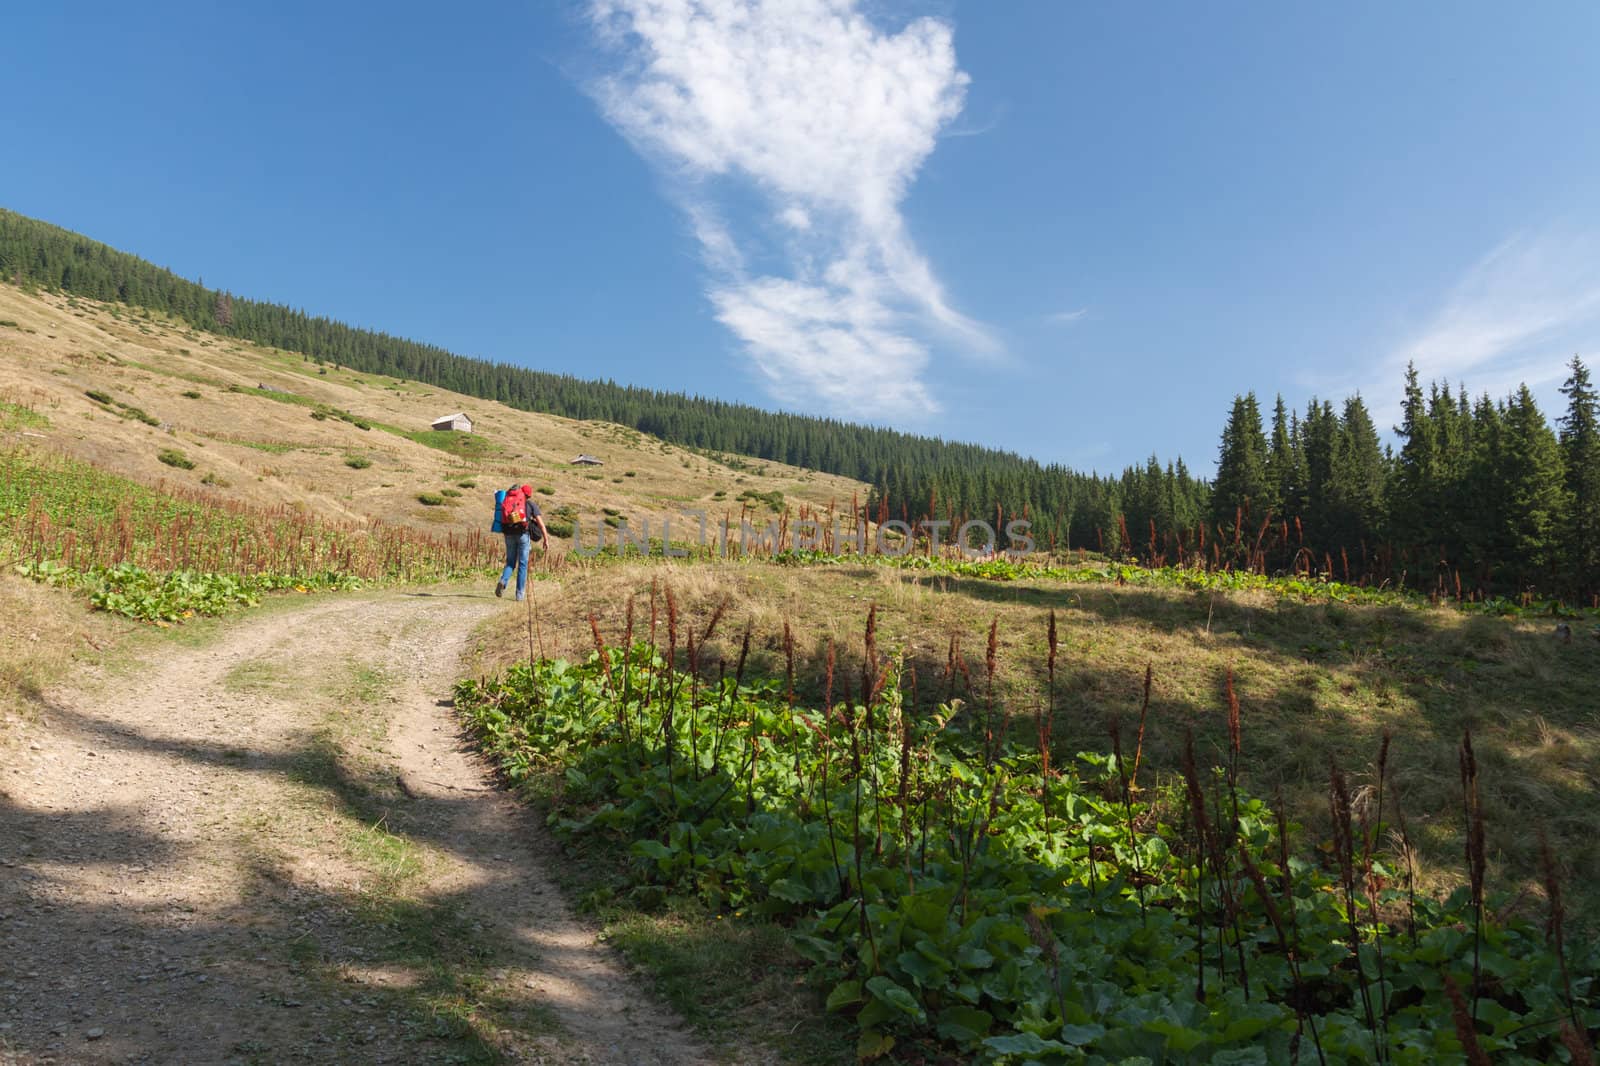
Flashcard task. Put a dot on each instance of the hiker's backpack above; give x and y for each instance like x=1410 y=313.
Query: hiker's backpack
x=514 y=512
x=499 y=498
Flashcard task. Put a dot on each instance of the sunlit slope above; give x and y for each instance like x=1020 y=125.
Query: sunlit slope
x=341 y=444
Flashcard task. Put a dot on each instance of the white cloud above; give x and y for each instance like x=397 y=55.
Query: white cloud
x=828 y=119
x=795 y=217
x=1516 y=316
x=1066 y=317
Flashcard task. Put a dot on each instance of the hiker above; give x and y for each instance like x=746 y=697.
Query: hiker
x=517 y=518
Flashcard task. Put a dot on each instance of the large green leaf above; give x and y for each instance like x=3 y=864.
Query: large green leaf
x=896 y=996
x=965 y=1025
x=844 y=994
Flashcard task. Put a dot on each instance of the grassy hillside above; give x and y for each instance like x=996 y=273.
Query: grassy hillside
x=123 y=388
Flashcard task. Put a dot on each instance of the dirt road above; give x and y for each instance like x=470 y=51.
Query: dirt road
x=274 y=849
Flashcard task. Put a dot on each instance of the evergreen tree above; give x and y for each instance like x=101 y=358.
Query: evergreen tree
x=1530 y=479
x=1411 y=488
x=1355 y=482
x=1319 y=432
x=1485 y=540
x=1285 y=465
x=1580 y=453
x=1241 y=490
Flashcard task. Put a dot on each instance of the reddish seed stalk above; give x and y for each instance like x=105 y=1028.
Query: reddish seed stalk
x=788 y=674
x=600 y=650
x=1556 y=922
x=711 y=626
x=1344 y=851
x=950 y=670
x=1473 y=811
x=827 y=686
x=1466 y=1027
x=1047 y=724
x=627 y=659
x=1287 y=887
x=1144 y=709
x=903 y=787
x=1369 y=842
x=990 y=750
x=655 y=588
x=1577 y=1045
x=693 y=652
x=1220 y=850
x=1042 y=725
x=1127 y=808
x=869 y=661
x=871 y=681
x=1197 y=812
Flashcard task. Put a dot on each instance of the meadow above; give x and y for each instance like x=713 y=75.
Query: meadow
x=967 y=674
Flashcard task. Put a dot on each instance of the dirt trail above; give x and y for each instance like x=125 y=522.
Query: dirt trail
x=274 y=849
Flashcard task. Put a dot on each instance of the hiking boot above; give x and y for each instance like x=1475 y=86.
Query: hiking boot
x=499 y=589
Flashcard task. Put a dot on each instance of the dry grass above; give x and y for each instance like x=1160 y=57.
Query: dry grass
x=44 y=637
x=275 y=453
x=1315 y=682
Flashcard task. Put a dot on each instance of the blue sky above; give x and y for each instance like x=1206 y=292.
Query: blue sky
x=1071 y=230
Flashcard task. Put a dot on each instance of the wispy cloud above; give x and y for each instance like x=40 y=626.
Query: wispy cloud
x=827 y=119
x=1066 y=317
x=1516 y=316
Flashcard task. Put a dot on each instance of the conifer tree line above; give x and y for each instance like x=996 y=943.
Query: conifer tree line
x=1480 y=495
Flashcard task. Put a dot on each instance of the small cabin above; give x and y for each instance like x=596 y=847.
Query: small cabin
x=457 y=422
x=587 y=460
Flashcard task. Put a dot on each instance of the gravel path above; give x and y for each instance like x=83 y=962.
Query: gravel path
x=276 y=849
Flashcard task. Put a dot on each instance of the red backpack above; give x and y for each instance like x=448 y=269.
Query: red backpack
x=514 y=512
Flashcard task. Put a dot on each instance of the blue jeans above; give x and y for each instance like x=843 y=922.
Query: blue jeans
x=517 y=548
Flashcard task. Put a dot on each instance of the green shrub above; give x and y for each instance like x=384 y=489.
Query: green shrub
x=546 y=490
x=468 y=484
x=773 y=499
x=613 y=520
x=357 y=462
x=629 y=473
x=173 y=457
x=98 y=397
x=450 y=492
x=211 y=478
x=191 y=394
x=428 y=499
x=612 y=511
x=320 y=416
x=558 y=527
